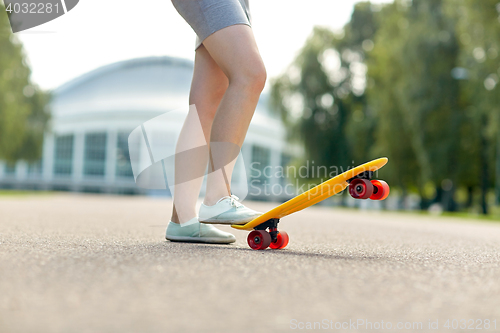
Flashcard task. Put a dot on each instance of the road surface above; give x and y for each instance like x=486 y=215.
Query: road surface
x=89 y=263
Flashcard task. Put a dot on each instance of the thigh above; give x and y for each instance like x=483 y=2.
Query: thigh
x=209 y=16
x=235 y=51
x=207 y=89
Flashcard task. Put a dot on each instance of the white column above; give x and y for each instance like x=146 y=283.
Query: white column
x=78 y=156
x=22 y=170
x=111 y=142
x=48 y=157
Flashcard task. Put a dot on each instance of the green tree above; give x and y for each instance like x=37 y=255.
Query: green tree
x=321 y=96
x=479 y=31
x=431 y=75
x=23 y=106
x=386 y=75
x=417 y=49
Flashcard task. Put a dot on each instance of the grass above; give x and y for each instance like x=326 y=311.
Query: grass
x=493 y=216
x=465 y=215
x=22 y=193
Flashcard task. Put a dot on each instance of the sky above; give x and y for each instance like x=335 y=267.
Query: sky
x=96 y=33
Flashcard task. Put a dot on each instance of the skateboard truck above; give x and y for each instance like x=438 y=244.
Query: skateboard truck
x=272 y=224
x=362 y=186
x=364 y=175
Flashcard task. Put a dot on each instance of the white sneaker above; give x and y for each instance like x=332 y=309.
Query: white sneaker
x=197 y=233
x=227 y=211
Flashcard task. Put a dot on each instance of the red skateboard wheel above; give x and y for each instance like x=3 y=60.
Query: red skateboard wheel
x=281 y=241
x=360 y=189
x=380 y=190
x=259 y=239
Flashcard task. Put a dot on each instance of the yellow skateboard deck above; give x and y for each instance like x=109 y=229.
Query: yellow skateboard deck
x=316 y=194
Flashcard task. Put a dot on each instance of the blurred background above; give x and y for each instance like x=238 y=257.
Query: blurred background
x=416 y=81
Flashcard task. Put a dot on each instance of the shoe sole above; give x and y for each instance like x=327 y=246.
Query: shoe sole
x=214 y=221
x=208 y=240
x=224 y=222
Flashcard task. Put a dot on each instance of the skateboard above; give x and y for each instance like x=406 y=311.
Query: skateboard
x=361 y=186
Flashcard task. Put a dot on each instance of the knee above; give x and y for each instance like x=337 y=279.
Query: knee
x=259 y=77
x=251 y=77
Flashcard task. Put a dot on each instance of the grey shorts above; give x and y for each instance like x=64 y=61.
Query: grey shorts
x=209 y=16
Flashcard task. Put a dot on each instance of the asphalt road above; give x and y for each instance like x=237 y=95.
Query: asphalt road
x=86 y=263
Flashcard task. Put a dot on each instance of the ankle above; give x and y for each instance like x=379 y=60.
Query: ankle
x=176 y=220
x=211 y=200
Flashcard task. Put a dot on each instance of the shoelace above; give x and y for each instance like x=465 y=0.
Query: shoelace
x=233 y=200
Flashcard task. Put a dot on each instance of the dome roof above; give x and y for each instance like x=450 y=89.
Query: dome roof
x=144 y=84
x=134 y=91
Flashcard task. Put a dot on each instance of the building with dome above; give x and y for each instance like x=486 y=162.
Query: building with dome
x=86 y=146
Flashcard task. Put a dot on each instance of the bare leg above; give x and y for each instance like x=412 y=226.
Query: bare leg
x=207 y=89
x=235 y=51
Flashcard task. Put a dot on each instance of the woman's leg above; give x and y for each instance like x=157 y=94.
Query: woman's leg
x=207 y=89
x=235 y=52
